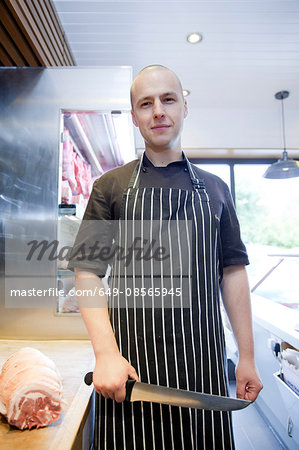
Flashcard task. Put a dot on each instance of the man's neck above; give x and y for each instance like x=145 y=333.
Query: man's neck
x=162 y=158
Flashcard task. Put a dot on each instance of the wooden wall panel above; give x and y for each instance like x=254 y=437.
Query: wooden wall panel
x=5 y=58
x=10 y=48
x=31 y=35
x=50 y=10
x=16 y=37
x=47 y=20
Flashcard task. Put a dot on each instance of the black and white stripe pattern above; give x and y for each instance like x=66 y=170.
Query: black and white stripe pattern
x=173 y=343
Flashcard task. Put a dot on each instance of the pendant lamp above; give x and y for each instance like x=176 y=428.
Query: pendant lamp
x=285 y=167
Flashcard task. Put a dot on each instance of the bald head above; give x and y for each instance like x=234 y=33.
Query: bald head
x=146 y=74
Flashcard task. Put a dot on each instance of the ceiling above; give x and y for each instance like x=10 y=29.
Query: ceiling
x=249 y=51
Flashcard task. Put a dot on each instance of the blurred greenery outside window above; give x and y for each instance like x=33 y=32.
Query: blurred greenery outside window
x=268 y=212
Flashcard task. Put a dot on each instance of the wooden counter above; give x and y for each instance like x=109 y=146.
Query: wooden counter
x=73 y=359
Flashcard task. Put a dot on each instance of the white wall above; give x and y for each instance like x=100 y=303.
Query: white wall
x=239 y=128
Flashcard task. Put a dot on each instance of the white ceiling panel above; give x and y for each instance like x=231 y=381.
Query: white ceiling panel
x=249 y=51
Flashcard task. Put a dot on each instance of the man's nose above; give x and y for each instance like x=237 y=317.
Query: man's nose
x=158 y=110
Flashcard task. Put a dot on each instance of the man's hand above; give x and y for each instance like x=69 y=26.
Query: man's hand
x=248 y=382
x=110 y=375
x=111 y=371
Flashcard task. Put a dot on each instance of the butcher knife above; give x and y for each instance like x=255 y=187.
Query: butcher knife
x=137 y=391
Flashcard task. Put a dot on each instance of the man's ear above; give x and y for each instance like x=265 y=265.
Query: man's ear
x=134 y=118
x=185 y=109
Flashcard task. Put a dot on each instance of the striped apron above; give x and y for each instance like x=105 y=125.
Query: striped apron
x=171 y=337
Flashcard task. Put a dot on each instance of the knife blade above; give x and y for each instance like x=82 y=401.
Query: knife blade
x=137 y=391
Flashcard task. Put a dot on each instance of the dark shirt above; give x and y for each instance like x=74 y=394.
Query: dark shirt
x=106 y=199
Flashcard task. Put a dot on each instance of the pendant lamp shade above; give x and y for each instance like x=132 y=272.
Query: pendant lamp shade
x=284 y=167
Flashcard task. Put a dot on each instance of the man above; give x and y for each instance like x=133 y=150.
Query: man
x=180 y=345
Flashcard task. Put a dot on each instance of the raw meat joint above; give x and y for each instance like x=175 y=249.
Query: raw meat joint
x=30 y=389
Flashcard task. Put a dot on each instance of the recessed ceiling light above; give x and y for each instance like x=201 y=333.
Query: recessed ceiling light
x=194 y=38
x=185 y=92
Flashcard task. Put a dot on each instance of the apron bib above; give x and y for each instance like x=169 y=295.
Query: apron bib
x=165 y=313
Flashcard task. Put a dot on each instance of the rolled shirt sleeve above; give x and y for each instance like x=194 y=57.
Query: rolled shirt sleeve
x=233 y=248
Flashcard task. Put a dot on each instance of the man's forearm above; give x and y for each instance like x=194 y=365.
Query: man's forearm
x=236 y=300
x=95 y=312
x=111 y=370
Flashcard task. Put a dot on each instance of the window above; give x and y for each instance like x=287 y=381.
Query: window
x=221 y=170
x=268 y=211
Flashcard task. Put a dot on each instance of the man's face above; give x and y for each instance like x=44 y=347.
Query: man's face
x=158 y=108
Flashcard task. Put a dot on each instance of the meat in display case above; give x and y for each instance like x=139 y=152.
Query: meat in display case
x=92 y=142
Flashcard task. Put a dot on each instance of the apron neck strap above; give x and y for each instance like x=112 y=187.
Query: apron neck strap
x=135 y=175
x=196 y=182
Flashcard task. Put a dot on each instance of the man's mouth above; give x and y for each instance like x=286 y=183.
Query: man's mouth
x=159 y=127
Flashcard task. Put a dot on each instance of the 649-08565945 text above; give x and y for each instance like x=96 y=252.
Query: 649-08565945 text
x=136 y=292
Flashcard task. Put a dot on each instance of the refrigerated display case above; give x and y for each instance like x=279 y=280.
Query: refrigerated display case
x=91 y=143
x=37 y=106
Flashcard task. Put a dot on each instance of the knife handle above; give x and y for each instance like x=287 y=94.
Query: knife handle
x=129 y=388
x=129 y=385
x=88 y=378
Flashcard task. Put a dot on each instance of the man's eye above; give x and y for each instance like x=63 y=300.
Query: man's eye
x=145 y=103
x=169 y=99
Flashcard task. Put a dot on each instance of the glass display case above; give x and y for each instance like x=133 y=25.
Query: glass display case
x=91 y=143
